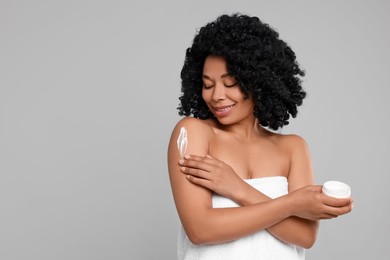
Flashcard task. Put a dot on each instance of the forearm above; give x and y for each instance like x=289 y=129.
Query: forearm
x=293 y=230
x=218 y=225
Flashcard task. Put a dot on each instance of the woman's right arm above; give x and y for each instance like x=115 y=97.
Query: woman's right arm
x=205 y=224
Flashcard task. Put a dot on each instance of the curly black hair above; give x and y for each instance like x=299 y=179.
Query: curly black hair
x=264 y=66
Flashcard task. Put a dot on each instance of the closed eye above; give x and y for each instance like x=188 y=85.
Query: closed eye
x=229 y=81
x=231 y=85
x=207 y=86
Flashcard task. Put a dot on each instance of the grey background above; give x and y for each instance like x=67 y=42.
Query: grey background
x=88 y=97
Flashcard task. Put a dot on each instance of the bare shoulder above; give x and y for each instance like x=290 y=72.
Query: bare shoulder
x=195 y=127
x=199 y=134
x=301 y=170
x=196 y=124
x=292 y=142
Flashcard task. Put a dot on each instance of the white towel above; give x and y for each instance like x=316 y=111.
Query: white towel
x=260 y=245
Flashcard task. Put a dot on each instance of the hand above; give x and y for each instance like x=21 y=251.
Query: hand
x=212 y=174
x=310 y=203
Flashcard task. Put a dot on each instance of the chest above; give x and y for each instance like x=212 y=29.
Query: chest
x=259 y=158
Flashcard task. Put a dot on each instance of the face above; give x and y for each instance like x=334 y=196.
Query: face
x=222 y=93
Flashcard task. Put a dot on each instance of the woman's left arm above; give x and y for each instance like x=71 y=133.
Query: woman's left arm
x=221 y=178
x=295 y=230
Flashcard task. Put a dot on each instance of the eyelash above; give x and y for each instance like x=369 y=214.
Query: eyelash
x=232 y=85
x=228 y=86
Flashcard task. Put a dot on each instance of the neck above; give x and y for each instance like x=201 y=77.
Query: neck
x=245 y=129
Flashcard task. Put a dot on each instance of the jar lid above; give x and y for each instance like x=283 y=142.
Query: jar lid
x=336 y=189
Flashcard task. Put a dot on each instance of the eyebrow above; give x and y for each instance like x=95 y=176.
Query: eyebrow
x=223 y=76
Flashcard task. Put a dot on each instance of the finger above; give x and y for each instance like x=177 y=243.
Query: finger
x=188 y=162
x=336 y=202
x=199 y=181
x=214 y=161
x=328 y=216
x=317 y=188
x=196 y=164
x=195 y=172
x=197 y=158
x=337 y=211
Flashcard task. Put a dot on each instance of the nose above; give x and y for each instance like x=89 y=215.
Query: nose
x=218 y=92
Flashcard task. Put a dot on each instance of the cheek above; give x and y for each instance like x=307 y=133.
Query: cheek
x=236 y=93
x=205 y=95
x=249 y=104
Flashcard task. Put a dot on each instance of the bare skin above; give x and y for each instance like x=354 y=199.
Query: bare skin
x=224 y=151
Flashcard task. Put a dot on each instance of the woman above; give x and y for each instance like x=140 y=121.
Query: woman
x=242 y=191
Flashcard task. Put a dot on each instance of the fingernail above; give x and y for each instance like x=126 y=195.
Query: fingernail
x=186 y=156
x=181 y=161
x=353 y=204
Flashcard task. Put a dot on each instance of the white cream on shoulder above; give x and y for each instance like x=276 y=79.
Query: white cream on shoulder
x=182 y=141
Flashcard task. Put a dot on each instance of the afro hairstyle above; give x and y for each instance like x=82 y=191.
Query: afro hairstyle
x=264 y=66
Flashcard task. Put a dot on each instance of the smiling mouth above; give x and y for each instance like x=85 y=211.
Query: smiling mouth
x=222 y=110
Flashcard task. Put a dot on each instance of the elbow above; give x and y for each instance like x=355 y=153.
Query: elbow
x=197 y=237
x=306 y=241
x=311 y=236
x=309 y=243
x=196 y=240
x=200 y=235
x=201 y=229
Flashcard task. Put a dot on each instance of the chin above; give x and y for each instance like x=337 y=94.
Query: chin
x=226 y=121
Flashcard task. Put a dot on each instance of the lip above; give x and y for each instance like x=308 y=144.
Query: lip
x=222 y=111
